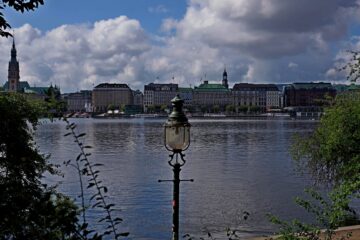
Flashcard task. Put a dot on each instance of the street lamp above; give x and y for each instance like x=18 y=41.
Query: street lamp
x=176 y=140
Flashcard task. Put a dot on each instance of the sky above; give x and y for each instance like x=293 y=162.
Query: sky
x=79 y=44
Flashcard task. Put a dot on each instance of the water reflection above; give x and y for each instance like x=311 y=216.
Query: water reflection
x=237 y=165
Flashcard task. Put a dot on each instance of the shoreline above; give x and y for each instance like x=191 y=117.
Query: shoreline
x=340 y=232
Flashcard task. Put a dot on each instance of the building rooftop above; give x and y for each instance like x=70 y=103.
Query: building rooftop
x=112 y=85
x=353 y=87
x=211 y=87
x=184 y=89
x=36 y=90
x=161 y=87
x=254 y=87
x=311 y=85
x=23 y=85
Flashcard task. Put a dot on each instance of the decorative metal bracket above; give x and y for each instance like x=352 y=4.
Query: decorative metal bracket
x=177 y=161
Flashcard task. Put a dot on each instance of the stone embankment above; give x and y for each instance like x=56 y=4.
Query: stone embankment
x=354 y=232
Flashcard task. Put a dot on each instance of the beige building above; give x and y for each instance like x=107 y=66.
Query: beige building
x=208 y=95
x=273 y=98
x=158 y=94
x=263 y=96
x=79 y=101
x=111 y=94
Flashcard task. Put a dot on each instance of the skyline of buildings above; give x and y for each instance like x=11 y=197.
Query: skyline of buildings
x=208 y=96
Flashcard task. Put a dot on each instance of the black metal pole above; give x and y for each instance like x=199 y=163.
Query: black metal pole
x=176 y=202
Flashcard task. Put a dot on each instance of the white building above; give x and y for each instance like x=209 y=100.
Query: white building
x=159 y=94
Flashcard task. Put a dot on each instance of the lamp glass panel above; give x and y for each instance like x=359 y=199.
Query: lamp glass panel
x=177 y=137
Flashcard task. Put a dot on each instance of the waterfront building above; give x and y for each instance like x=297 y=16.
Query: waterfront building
x=115 y=95
x=159 y=94
x=186 y=94
x=273 y=97
x=308 y=94
x=212 y=97
x=260 y=96
x=42 y=93
x=79 y=101
x=138 y=98
x=208 y=96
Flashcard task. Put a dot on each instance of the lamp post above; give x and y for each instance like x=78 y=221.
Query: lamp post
x=176 y=140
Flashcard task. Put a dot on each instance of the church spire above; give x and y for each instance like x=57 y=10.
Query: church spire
x=225 y=80
x=13 y=51
x=13 y=71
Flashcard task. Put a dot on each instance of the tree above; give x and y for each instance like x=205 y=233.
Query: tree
x=332 y=152
x=254 y=109
x=29 y=209
x=122 y=107
x=17 y=5
x=243 y=109
x=216 y=108
x=352 y=67
x=163 y=107
x=230 y=108
x=150 y=109
x=111 y=107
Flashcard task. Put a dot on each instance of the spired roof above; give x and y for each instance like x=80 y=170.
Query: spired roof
x=211 y=87
x=112 y=85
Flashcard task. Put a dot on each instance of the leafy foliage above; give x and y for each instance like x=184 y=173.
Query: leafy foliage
x=230 y=108
x=17 y=5
x=352 y=67
x=29 y=209
x=329 y=213
x=332 y=152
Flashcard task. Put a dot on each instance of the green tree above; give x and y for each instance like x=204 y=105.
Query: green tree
x=122 y=107
x=254 y=109
x=230 y=108
x=243 y=109
x=150 y=109
x=163 y=107
x=18 y=5
x=111 y=107
x=332 y=152
x=29 y=209
x=332 y=155
x=216 y=108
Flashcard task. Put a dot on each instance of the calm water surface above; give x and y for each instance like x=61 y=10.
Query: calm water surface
x=238 y=165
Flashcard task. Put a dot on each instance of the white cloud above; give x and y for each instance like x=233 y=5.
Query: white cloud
x=257 y=40
x=79 y=56
x=293 y=65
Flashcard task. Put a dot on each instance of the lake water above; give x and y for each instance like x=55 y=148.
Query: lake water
x=237 y=165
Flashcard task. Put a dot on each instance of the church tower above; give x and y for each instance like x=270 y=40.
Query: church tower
x=225 y=80
x=14 y=71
